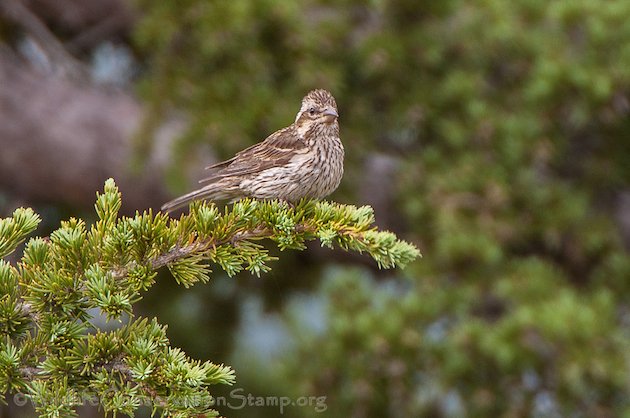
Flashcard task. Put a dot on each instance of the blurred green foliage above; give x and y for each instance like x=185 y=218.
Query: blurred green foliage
x=509 y=121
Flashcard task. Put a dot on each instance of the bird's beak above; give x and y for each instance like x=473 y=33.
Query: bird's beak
x=331 y=115
x=331 y=112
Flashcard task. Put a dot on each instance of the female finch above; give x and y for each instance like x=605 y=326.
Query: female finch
x=304 y=159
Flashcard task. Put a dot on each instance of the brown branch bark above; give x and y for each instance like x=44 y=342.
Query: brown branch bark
x=179 y=252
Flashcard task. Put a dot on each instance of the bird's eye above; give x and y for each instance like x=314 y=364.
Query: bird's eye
x=311 y=112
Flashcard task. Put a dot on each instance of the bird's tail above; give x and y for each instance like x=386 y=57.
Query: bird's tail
x=212 y=191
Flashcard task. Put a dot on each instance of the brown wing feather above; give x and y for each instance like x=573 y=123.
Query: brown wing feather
x=276 y=150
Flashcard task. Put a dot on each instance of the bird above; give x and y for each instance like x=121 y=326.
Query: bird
x=303 y=160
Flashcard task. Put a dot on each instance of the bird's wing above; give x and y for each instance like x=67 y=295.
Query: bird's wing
x=275 y=151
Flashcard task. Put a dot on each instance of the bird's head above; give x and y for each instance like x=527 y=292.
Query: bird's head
x=318 y=107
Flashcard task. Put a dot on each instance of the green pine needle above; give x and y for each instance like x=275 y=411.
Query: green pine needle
x=49 y=348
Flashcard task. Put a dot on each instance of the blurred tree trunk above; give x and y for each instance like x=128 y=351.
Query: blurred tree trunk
x=89 y=22
x=60 y=140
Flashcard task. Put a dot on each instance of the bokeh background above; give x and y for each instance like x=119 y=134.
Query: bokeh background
x=494 y=135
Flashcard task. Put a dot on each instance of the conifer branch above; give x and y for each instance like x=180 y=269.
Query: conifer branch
x=46 y=351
